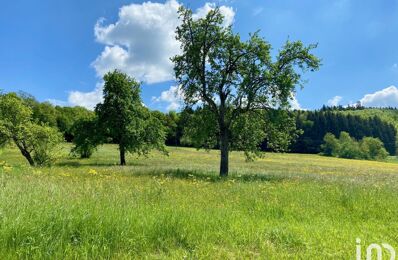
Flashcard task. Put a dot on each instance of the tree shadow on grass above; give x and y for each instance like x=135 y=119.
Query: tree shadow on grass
x=211 y=176
x=84 y=163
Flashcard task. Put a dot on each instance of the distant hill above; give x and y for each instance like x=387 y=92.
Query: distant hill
x=358 y=121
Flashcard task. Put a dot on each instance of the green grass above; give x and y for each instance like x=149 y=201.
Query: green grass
x=281 y=206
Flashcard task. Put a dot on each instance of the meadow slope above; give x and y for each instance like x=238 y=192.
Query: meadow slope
x=280 y=206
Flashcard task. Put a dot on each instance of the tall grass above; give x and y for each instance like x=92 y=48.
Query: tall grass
x=282 y=206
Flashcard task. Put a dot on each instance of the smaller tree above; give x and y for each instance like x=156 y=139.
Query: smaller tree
x=373 y=149
x=368 y=148
x=86 y=138
x=45 y=142
x=36 y=142
x=349 y=147
x=123 y=118
x=331 y=146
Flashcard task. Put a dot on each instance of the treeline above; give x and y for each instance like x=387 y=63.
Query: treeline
x=315 y=125
x=311 y=126
x=59 y=117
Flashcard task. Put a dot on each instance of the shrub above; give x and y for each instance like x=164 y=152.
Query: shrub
x=373 y=148
x=331 y=147
x=45 y=142
x=86 y=138
x=347 y=147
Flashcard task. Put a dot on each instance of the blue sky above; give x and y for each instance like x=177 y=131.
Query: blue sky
x=58 y=50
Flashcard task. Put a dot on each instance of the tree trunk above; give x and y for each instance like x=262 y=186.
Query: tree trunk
x=122 y=154
x=28 y=157
x=224 y=148
x=24 y=152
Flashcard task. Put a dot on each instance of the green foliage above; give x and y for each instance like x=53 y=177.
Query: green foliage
x=201 y=129
x=87 y=136
x=124 y=119
x=246 y=133
x=36 y=142
x=373 y=148
x=45 y=113
x=349 y=147
x=45 y=142
x=67 y=116
x=61 y=117
x=331 y=145
x=368 y=148
x=315 y=124
x=280 y=130
x=232 y=79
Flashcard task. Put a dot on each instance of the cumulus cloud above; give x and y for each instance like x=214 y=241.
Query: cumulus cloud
x=140 y=43
x=86 y=99
x=173 y=97
x=335 y=101
x=387 y=97
x=142 y=40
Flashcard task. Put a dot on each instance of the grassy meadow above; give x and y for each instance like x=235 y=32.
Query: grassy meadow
x=278 y=207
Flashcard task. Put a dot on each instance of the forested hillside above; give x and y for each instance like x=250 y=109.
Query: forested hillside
x=358 y=122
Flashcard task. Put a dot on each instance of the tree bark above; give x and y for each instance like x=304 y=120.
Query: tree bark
x=224 y=148
x=24 y=152
x=122 y=154
x=28 y=157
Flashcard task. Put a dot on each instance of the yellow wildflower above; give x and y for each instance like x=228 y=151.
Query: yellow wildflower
x=93 y=172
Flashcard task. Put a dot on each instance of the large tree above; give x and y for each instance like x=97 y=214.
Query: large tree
x=234 y=81
x=123 y=117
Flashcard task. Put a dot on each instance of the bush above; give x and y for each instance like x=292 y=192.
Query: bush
x=45 y=142
x=36 y=142
x=331 y=146
x=373 y=148
x=368 y=148
x=349 y=147
x=86 y=138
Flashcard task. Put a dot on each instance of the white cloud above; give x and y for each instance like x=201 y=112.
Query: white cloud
x=140 y=43
x=295 y=104
x=394 y=66
x=335 y=101
x=173 y=97
x=387 y=97
x=226 y=11
x=86 y=99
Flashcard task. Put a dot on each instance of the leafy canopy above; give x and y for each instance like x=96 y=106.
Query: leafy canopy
x=123 y=118
x=345 y=146
x=232 y=81
x=38 y=143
